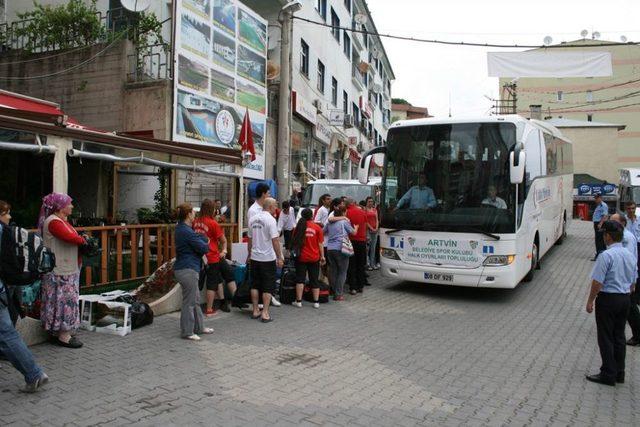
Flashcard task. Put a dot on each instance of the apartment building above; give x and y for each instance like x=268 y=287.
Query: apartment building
x=614 y=99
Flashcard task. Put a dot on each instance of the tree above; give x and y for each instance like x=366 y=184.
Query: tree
x=400 y=101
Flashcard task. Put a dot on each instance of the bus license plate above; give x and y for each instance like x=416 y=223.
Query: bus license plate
x=438 y=277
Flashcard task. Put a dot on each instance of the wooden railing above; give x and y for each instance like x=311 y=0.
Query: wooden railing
x=133 y=252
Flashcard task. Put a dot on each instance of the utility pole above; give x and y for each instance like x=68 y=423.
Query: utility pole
x=283 y=146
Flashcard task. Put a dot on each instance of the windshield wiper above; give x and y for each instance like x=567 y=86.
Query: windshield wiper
x=479 y=230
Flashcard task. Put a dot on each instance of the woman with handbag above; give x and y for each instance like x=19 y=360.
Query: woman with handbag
x=339 y=250
x=308 y=245
x=60 y=314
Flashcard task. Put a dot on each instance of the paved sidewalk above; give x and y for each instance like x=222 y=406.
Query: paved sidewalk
x=401 y=354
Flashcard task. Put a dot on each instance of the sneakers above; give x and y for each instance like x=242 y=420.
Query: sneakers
x=377 y=267
x=316 y=305
x=275 y=302
x=210 y=312
x=35 y=386
x=192 y=337
x=369 y=268
x=207 y=331
x=297 y=304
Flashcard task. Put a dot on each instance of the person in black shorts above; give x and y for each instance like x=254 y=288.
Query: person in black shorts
x=307 y=244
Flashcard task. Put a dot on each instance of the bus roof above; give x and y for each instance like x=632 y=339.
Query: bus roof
x=630 y=174
x=509 y=118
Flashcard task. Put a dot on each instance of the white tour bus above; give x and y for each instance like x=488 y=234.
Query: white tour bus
x=629 y=188
x=337 y=188
x=472 y=202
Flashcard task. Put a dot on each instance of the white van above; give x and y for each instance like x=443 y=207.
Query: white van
x=338 y=188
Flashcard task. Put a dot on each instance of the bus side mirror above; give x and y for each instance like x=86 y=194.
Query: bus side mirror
x=516 y=166
x=363 y=169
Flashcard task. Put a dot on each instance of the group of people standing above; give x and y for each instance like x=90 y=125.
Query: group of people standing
x=614 y=288
x=59 y=311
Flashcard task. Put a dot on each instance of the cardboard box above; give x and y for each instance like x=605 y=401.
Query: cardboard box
x=99 y=314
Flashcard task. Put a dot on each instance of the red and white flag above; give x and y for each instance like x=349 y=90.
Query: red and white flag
x=246 y=137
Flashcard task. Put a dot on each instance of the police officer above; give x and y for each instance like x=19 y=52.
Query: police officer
x=600 y=215
x=613 y=277
x=629 y=241
x=633 y=225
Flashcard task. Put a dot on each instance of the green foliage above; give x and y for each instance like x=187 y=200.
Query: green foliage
x=148 y=30
x=161 y=212
x=60 y=27
x=400 y=101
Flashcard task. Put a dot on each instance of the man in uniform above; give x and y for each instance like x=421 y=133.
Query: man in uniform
x=633 y=225
x=613 y=277
x=600 y=215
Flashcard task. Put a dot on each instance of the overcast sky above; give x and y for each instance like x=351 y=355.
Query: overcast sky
x=427 y=75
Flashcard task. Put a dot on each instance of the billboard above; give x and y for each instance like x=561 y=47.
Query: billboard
x=220 y=61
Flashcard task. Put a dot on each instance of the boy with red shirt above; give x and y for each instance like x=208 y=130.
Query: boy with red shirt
x=308 y=242
x=356 y=276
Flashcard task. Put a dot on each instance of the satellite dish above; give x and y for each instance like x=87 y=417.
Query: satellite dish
x=136 y=5
x=360 y=18
x=547 y=40
x=623 y=39
x=584 y=33
x=595 y=35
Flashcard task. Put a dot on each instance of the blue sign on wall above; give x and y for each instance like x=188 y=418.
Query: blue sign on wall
x=593 y=189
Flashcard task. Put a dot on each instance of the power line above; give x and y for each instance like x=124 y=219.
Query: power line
x=450 y=43
x=569 y=110
x=587 y=90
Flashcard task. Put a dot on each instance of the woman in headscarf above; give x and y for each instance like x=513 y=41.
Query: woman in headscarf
x=59 y=314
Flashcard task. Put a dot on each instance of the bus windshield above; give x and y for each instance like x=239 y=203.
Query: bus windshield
x=355 y=191
x=449 y=177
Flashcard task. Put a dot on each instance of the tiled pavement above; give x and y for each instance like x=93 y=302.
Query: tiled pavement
x=401 y=354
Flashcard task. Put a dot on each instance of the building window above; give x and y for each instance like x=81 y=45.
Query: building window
x=347 y=4
x=560 y=95
x=321 y=7
x=365 y=36
x=334 y=91
x=589 y=117
x=345 y=102
x=356 y=114
x=304 y=58
x=320 y=76
x=589 y=96
x=346 y=45
x=335 y=25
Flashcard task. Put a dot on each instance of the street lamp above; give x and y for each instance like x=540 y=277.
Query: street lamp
x=283 y=145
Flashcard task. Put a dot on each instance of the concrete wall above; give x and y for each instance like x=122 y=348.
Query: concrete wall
x=148 y=106
x=92 y=94
x=592 y=149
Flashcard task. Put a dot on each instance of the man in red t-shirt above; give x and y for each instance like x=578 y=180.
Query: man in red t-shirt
x=357 y=276
x=217 y=271
x=311 y=256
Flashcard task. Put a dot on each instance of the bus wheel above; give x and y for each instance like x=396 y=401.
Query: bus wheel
x=534 y=263
x=564 y=231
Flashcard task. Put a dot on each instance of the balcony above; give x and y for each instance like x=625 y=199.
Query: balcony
x=356 y=38
x=357 y=77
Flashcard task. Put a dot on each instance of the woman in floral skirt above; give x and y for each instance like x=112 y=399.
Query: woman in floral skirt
x=59 y=314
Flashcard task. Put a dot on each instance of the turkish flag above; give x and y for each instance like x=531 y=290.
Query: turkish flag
x=246 y=137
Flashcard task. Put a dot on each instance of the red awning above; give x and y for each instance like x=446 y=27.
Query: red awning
x=17 y=101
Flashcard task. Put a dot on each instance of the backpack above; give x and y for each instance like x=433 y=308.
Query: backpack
x=24 y=257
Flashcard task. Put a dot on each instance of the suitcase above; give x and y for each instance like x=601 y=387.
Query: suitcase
x=307 y=295
x=288 y=284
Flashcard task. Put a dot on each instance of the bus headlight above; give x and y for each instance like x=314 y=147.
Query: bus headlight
x=498 y=260
x=389 y=253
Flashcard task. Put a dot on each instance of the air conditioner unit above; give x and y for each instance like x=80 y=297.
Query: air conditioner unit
x=348 y=121
x=319 y=105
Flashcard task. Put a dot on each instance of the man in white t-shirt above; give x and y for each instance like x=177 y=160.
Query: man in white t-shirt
x=262 y=192
x=286 y=222
x=265 y=255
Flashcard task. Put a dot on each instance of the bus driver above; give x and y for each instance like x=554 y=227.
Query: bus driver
x=493 y=199
x=419 y=196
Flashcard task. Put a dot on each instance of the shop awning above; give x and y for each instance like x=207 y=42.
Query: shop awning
x=16 y=101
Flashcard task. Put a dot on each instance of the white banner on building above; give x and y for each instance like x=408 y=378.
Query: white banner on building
x=549 y=63
x=220 y=57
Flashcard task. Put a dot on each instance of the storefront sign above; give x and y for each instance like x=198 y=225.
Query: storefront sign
x=304 y=108
x=322 y=130
x=336 y=117
x=445 y=251
x=354 y=156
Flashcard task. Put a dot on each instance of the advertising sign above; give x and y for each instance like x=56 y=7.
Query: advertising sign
x=467 y=253
x=322 y=130
x=220 y=59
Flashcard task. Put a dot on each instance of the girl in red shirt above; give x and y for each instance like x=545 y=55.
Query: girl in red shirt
x=307 y=244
